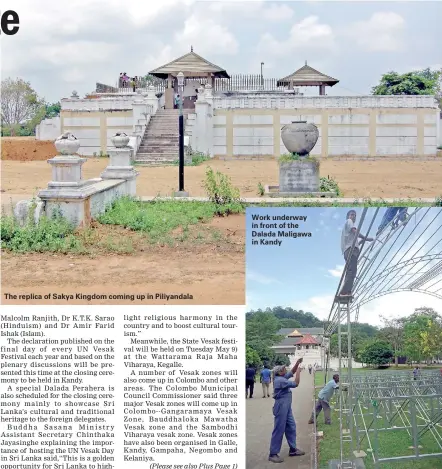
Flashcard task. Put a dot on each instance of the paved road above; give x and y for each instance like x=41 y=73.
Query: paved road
x=259 y=423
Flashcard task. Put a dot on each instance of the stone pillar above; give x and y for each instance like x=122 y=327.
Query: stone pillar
x=66 y=167
x=66 y=193
x=151 y=99
x=208 y=93
x=120 y=165
x=322 y=90
x=202 y=134
x=139 y=120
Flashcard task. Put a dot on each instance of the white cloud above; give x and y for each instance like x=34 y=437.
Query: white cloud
x=86 y=41
x=164 y=55
x=308 y=35
x=397 y=305
x=317 y=305
x=277 y=13
x=381 y=33
x=260 y=278
x=394 y=305
x=258 y=10
x=337 y=272
x=206 y=36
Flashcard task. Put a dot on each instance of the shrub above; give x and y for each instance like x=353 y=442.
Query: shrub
x=328 y=184
x=54 y=234
x=199 y=158
x=222 y=193
x=287 y=157
x=157 y=218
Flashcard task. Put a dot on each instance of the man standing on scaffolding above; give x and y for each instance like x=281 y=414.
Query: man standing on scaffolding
x=349 y=233
x=393 y=214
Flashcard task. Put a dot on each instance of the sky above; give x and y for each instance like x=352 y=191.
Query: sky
x=304 y=273
x=70 y=45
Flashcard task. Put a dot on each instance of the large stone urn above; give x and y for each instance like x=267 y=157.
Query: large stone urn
x=300 y=137
x=67 y=144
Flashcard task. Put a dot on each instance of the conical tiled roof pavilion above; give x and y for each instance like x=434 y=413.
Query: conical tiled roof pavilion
x=308 y=76
x=191 y=65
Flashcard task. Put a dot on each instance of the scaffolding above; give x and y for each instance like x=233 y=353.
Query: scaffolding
x=405 y=255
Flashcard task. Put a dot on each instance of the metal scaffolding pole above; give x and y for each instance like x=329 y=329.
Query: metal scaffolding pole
x=401 y=258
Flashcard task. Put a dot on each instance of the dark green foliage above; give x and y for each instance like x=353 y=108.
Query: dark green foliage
x=50 y=234
x=376 y=353
x=423 y=82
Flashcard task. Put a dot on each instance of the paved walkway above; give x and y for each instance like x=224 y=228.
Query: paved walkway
x=259 y=426
x=8 y=200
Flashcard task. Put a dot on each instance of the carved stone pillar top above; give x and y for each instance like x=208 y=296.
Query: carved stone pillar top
x=67 y=144
x=208 y=91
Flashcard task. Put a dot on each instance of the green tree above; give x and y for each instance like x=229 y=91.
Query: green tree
x=261 y=335
x=52 y=110
x=262 y=331
x=252 y=357
x=376 y=353
x=393 y=333
x=20 y=104
x=424 y=82
x=290 y=323
x=305 y=319
x=262 y=327
x=423 y=334
x=357 y=342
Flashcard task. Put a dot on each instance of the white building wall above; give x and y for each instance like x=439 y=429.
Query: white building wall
x=48 y=129
x=95 y=121
x=439 y=132
x=351 y=126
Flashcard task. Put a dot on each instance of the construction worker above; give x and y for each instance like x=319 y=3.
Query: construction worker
x=349 y=233
x=398 y=214
x=323 y=402
x=282 y=411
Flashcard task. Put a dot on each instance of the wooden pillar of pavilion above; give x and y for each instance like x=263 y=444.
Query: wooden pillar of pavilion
x=191 y=65
x=169 y=93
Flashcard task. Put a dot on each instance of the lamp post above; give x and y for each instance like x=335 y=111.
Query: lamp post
x=180 y=78
x=262 y=76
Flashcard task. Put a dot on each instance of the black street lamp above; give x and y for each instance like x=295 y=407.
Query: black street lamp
x=262 y=76
x=181 y=191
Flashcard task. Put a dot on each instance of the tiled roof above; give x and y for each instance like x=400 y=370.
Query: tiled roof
x=308 y=330
x=295 y=333
x=308 y=340
x=307 y=76
x=190 y=64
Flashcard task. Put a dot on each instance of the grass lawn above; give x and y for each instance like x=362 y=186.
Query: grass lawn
x=129 y=224
x=123 y=228
x=392 y=443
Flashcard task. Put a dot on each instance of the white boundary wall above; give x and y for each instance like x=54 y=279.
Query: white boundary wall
x=94 y=121
x=348 y=126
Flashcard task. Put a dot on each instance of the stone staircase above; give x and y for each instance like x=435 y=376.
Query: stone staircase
x=160 y=144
